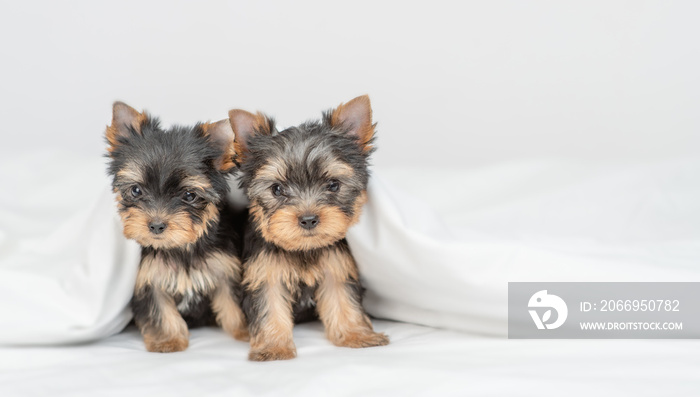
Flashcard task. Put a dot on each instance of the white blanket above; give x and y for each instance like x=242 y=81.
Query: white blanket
x=420 y=361
x=66 y=272
x=555 y=221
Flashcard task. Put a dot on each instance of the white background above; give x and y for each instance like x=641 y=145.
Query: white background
x=452 y=83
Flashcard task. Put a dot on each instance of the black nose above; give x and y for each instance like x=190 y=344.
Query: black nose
x=308 y=222
x=157 y=228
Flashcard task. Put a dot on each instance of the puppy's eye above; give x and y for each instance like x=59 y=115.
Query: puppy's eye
x=136 y=191
x=333 y=186
x=189 y=196
x=277 y=190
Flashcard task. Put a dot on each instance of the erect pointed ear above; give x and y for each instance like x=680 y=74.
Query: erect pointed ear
x=125 y=119
x=356 y=118
x=221 y=134
x=245 y=125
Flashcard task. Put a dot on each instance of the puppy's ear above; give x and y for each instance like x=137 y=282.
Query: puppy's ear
x=221 y=134
x=246 y=125
x=356 y=118
x=125 y=121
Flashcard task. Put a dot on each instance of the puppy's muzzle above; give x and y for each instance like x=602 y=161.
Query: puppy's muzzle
x=308 y=222
x=157 y=227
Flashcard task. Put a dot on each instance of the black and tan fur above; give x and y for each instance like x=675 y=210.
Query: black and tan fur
x=306 y=186
x=171 y=191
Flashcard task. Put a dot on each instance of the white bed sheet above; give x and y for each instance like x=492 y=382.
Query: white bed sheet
x=419 y=361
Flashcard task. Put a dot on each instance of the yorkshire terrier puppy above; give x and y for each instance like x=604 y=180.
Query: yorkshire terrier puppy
x=306 y=187
x=171 y=191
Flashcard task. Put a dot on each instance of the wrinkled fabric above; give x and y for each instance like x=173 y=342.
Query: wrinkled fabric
x=420 y=361
x=544 y=221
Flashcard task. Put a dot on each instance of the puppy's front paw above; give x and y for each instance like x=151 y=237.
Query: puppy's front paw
x=167 y=346
x=362 y=339
x=271 y=353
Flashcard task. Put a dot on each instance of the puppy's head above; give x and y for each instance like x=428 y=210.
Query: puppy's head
x=306 y=184
x=168 y=184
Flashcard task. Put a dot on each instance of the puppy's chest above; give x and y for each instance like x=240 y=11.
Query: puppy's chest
x=311 y=270
x=299 y=272
x=186 y=278
x=302 y=281
x=303 y=285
